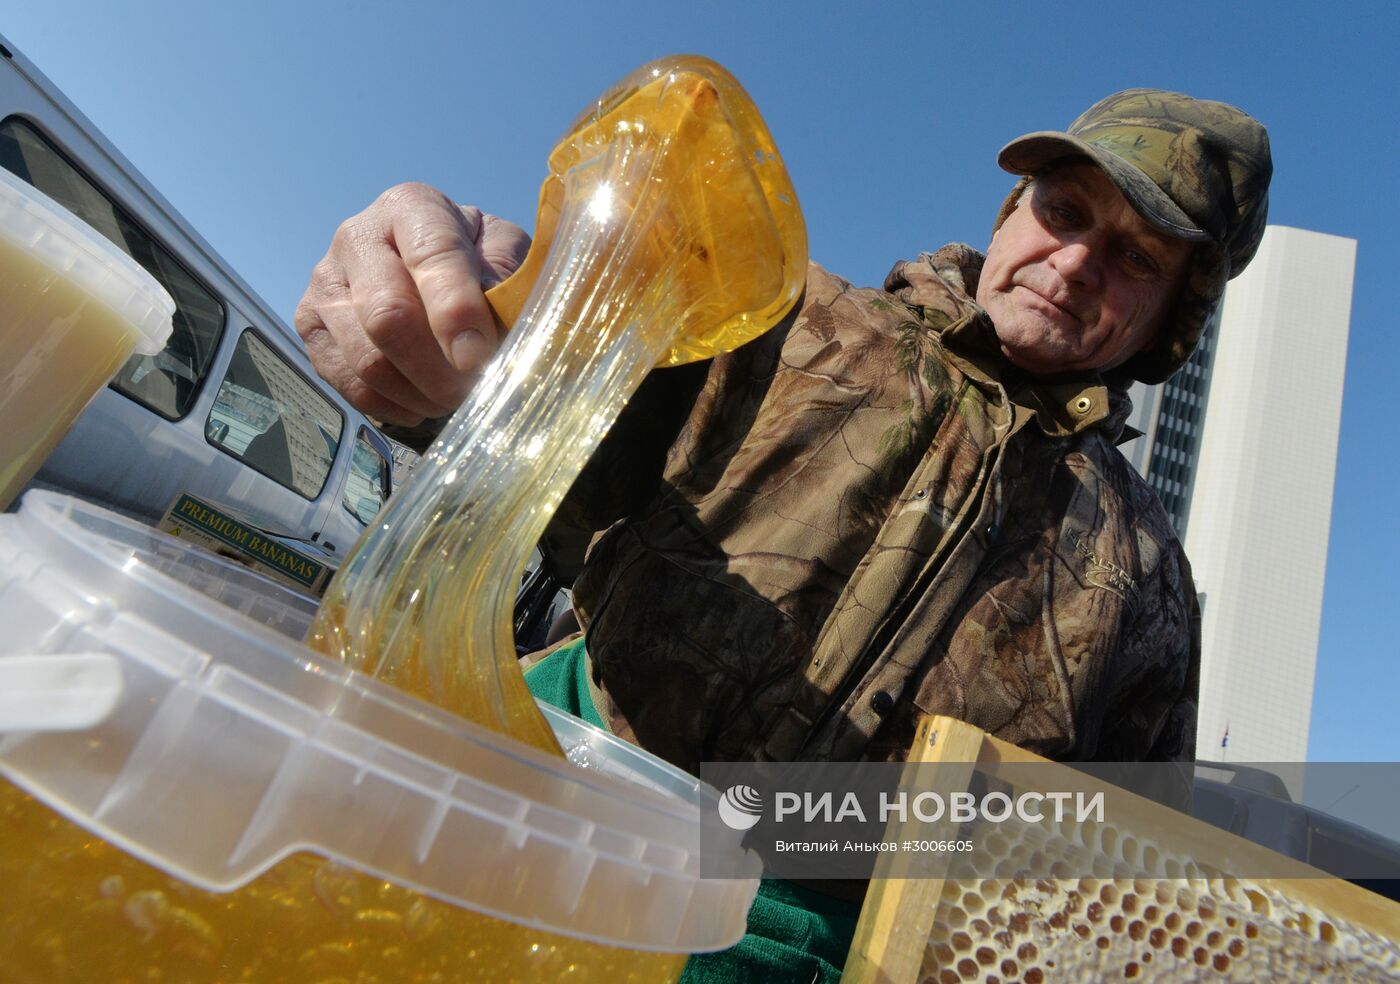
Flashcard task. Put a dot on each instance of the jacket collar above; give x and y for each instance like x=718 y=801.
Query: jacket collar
x=940 y=286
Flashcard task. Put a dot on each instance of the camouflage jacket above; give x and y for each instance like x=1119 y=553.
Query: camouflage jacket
x=865 y=514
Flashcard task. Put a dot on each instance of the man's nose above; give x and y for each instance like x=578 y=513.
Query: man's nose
x=1077 y=263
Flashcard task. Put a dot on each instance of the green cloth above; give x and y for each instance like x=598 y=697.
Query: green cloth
x=795 y=934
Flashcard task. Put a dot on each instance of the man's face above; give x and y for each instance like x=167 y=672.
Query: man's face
x=1075 y=279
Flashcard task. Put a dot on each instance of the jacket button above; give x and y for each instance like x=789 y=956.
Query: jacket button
x=992 y=531
x=881 y=703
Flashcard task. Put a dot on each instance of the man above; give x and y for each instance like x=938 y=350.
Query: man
x=896 y=502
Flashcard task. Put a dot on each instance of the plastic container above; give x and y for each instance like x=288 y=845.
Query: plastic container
x=229 y=758
x=73 y=308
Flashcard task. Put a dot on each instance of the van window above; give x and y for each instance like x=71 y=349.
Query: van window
x=169 y=381
x=404 y=460
x=268 y=416
x=368 y=484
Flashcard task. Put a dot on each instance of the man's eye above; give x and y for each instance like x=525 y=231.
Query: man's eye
x=1140 y=261
x=1063 y=213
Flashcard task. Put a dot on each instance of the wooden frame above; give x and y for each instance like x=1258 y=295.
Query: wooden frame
x=899 y=911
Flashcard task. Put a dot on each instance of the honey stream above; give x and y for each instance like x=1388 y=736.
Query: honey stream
x=677 y=237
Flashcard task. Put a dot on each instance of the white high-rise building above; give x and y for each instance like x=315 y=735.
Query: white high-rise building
x=1242 y=447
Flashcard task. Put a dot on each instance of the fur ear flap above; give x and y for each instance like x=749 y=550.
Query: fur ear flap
x=1012 y=200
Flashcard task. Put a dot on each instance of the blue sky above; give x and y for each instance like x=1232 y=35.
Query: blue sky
x=266 y=124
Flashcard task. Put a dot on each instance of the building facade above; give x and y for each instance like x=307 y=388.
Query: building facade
x=1241 y=445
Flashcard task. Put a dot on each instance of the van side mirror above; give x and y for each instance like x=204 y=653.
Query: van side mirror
x=216 y=431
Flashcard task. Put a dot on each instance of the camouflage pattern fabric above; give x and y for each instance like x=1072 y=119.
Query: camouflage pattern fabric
x=866 y=514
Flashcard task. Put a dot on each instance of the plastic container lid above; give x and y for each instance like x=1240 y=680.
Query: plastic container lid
x=230 y=746
x=32 y=221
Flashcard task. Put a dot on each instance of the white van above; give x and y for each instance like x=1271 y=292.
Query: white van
x=231 y=411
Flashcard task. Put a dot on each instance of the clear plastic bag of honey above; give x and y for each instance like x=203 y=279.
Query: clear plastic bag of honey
x=668 y=232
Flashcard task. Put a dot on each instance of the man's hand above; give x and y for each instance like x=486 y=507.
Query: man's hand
x=395 y=317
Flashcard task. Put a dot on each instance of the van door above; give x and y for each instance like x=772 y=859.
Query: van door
x=268 y=415
x=367 y=485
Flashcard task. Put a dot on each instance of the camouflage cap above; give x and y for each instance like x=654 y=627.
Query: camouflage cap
x=1195 y=169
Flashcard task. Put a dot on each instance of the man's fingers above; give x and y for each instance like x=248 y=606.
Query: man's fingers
x=384 y=334
x=348 y=358
x=395 y=317
x=332 y=366
x=501 y=246
x=438 y=247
